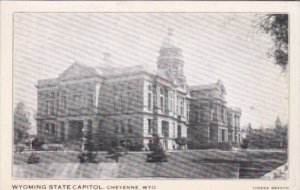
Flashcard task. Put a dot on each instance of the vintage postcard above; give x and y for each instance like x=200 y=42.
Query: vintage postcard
x=150 y=95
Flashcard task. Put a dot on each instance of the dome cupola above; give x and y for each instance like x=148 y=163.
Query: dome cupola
x=170 y=59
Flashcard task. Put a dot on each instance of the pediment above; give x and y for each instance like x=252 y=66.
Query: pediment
x=77 y=71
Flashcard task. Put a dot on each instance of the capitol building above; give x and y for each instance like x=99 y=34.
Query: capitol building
x=132 y=104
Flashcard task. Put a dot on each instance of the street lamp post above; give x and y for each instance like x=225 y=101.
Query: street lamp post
x=83 y=140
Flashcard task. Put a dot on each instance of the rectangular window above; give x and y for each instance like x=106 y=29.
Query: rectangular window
x=210 y=134
x=149 y=101
x=117 y=101
x=181 y=107
x=77 y=101
x=51 y=94
x=171 y=102
x=116 y=127
x=219 y=112
x=47 y=128
x=122 y=127
x=50 y=107
x=165 y=128
x=179 y=131
x=162 y=100
x=196 y=116
x=174 y=130
x=223 y=135
x=215 y=113
x=162 y=103
x=225 y=115
x=166 y=103
x=187 y=112
x=62 y=130
x=128 y=100
x=150 y=129
x=121 y=102
x=200 y=116
x=77 y=98
x=45 y=107
x=130 y=127
x=177 y=105
x=52 y=129
x=222 y=114
x=89 y=100
x=64 y=102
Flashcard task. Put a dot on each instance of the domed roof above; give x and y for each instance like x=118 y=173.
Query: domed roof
x=169 y=41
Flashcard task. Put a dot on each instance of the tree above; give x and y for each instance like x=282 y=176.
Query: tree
x=181 y=141
x=88 y=155
x=157 y=152
x=245 y=143
x=116 y=150
x=37 y=144
x=33 y=158
x=21 y=123
x=276 y=25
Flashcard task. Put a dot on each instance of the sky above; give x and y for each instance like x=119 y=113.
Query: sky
x=224 y=46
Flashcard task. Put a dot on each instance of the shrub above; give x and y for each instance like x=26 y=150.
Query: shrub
x=53 y=147
x=235 y=144
x=103 y=145
x=33 y=158
x=37 y=144
x=208 y=145
x=212 y=145
x=90 y=145
x=116 y=150
x=245 y=144
x=181 y=141
x=129 y=145
x=20 y=147
x=88 y=157
x=115 y=153
x=225 y=146
x=136 y=147
x=157 y=152
x=191 y=144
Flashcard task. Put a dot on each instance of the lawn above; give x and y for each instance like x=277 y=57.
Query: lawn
x=182 y=164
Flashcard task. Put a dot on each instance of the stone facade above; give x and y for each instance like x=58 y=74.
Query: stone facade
x=131 y=104
x=211 y=120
